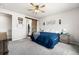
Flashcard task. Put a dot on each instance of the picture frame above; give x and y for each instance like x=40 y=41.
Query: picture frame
x=20 y=20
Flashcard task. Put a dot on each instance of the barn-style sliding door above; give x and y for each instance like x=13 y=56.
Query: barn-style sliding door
x=34 y=25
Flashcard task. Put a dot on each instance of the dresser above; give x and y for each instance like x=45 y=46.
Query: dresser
x=65 y=38
x=3 y=43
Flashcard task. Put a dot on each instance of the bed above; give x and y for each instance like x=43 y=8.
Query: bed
x=47 y=39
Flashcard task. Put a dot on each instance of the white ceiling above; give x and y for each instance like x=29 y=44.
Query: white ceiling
x=50 y=8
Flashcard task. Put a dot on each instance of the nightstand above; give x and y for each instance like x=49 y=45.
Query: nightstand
x=3 y=43
x=65 y=38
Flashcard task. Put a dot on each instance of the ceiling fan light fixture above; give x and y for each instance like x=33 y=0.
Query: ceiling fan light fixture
x=36 y=11
x=37 y=8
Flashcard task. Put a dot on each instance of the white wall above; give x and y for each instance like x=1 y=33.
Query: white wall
x=5 y=24
x=69 y=21
x=18 y=32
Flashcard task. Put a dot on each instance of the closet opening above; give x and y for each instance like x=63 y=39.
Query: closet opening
x=6 y=24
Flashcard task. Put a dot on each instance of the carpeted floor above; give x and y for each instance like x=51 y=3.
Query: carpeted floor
x=27 y=47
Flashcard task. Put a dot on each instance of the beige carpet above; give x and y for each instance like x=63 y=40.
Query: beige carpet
x=27 y=47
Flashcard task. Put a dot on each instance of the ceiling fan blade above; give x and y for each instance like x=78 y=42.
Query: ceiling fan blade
x=32 y=4
x=30 y=9
x=42 y=11
x=42 y=6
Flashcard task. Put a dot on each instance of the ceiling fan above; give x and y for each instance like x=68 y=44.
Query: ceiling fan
x=36 y=8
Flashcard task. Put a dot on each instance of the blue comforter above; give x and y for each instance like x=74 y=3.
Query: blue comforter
x=47 y=39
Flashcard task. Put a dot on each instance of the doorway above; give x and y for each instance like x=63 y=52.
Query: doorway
x=31 y=26
x=6 y=24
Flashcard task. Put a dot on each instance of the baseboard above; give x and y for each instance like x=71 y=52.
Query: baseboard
x=74 y=42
